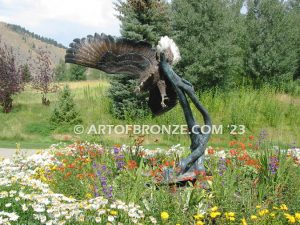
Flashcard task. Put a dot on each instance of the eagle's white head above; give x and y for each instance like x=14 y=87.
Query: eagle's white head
x=168 y=46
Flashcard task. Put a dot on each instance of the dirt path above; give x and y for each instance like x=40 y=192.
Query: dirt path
x=9 y=152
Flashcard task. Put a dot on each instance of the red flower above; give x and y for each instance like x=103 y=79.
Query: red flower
x=251 y=137
x=233 y=152
x=211 y=151
x=131 y=164
x=232 y=143
x=71 y=166
x=80 y=176
x=228 y=161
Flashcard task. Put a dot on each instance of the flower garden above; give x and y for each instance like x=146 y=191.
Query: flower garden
x=83 y=183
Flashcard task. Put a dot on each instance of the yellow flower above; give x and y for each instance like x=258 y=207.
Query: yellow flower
x=88 y=195
x=177 y=223
x=253 y=217
x=54 y=167
x=290 y=218
x=43 y=178
x=297 y=216
x=198 y=216
x=244 y=222
x=263 y=212
x=258 y=206
x=199 y=222
x=272 y=214
x=213 y=209
x=284 y=207
x=164 y=215
x=230 y=216
x=275 y=207
x=113 y=212
x=215 y=214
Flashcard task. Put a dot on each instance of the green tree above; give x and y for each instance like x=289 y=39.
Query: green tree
x=61 y=71
x=294 y=12
x=77 y=72
x=146 y=20
x=26 y=73
x=65 y=113
x=271 y=53
x=126 y=105
x=209 y=41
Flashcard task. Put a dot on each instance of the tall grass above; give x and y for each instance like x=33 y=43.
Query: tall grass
x=267 y=109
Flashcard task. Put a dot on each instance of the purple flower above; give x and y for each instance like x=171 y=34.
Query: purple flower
x=273 y=165
x=222 y=166
x=116 y=151
x=104 y=167
x=262 y=136
x=96 y=190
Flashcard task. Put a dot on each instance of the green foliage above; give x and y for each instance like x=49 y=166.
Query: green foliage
x=26 y=73
x=41 y=128
x=64 y=113
x=144 y=19
x=209 y=42
x=61 y=71
x=293 y=7
x=125 y=103
x=77 y=72
x=140 y=20
x=271 y=53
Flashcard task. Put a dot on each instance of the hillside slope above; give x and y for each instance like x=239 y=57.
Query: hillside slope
x=25 y=47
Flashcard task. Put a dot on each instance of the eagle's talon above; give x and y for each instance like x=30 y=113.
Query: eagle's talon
x=163 y=101
x=163 y=104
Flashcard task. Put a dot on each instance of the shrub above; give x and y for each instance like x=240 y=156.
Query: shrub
x=65 y=113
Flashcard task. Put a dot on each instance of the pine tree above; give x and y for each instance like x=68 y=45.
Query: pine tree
x=146 y=20
x=26 y=73
x=65 y=113
x=77 y=72
x=205 y=31
x=61 y=71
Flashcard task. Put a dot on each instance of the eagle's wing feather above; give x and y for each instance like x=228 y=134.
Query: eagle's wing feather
x=122 y=56
x=112 y=55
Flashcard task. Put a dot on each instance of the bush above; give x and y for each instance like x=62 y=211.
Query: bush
x=65 y=113
x=77 y=72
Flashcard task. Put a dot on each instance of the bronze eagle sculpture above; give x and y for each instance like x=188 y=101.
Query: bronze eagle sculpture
x=152 y=68
x=136 y=58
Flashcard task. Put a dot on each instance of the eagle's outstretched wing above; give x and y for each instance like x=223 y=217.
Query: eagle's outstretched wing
x=113 y=55
x=123 y=56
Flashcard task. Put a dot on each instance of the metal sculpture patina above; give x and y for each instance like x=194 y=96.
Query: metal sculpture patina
x=153 y=69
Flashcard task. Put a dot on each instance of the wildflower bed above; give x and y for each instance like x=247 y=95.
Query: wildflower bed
x=88 y=184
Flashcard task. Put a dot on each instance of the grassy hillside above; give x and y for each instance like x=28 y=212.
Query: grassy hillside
x=277 y=114
x=25 y=46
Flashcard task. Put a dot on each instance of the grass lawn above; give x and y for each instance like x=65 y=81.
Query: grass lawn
x=28 y=124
